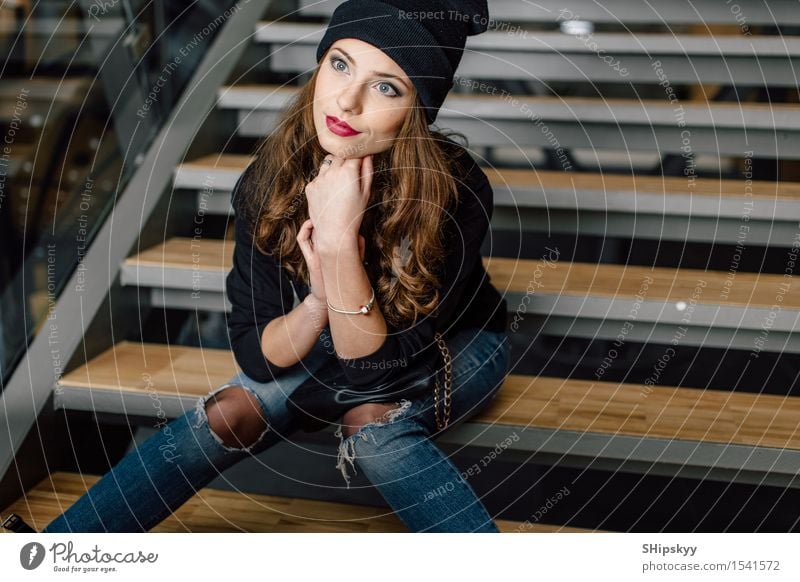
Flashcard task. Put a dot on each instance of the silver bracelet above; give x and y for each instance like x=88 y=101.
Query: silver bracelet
x=365 y=309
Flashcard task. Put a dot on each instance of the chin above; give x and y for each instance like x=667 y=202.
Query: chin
x=343 y=148
x=327 y=144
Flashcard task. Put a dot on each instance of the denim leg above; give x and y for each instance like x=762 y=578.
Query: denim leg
x=397 y=455
x=162 y=473
x=151 y=481
x=168 y=468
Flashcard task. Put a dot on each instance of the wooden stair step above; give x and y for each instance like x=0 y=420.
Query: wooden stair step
x=572 y=190
x=632 y=43
x=33 y=101
x=564 y=278
x=555 y=56
x=72 y=28
x=214 y=172
x=578 y=110
x=560 y=298
x=719 y=128
x=701 y=434
x=616 y=12
x=214 y=510
x=524 y=401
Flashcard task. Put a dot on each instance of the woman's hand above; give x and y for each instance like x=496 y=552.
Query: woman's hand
x=308 y=248
x=337 y=198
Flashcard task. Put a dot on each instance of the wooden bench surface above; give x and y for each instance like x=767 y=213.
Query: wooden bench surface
x=524 y=401
x=578 y=110
x=214 y=510
x=284 y=32
x=707 y=15
x=592 y=181
x=752 y=290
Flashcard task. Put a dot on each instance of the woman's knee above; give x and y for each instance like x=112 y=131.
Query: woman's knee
x=236 y=418
x=376 y=430
x=370 y=413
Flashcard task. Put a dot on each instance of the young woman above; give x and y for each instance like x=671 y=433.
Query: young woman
x=351 y=201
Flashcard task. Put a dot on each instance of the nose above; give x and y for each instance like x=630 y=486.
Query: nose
x=349 y=97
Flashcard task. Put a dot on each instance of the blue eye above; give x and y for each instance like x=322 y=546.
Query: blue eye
x=334 y=60
x=394 y=91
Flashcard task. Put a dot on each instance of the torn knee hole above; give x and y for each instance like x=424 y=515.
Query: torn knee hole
x=235 y=417
x=371 y=413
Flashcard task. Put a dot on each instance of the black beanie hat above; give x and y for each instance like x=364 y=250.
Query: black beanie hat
x=425 y=38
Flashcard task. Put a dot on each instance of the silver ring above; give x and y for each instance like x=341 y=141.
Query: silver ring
x=327 y=162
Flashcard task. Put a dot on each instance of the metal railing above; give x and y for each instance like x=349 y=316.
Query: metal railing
x=136 y=134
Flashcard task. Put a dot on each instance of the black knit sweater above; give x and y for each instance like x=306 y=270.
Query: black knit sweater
x=260 y=290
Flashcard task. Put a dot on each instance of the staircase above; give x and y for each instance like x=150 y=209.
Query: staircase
x=606 y=168
x=215 y=511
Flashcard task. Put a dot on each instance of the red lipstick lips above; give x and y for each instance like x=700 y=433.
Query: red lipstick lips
x=339 y=127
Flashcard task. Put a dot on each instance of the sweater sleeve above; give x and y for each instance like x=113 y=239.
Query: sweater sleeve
x=258 y=290
x=464 y=232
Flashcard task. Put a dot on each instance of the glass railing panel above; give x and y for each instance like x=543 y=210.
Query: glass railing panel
x=84 y=89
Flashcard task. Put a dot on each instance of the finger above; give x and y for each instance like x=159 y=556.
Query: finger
x=323 y=166
x=336 y=160
x=366 y=176
x=304 y=234
x=305 y=248
x=304 y=239
x=352 y=164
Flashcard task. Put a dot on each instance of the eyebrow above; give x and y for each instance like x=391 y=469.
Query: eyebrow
x=379 y=73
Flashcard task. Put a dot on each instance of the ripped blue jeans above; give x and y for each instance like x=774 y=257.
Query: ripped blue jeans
x=395 y=453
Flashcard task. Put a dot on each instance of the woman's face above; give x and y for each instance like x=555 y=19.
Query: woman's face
x=361 y=86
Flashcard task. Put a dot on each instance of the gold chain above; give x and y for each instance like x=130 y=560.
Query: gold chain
x=443 y=419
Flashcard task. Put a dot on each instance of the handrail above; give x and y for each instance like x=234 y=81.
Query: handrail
x=34 y=378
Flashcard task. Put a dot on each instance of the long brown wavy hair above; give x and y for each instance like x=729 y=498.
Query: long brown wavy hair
x=413 y=190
